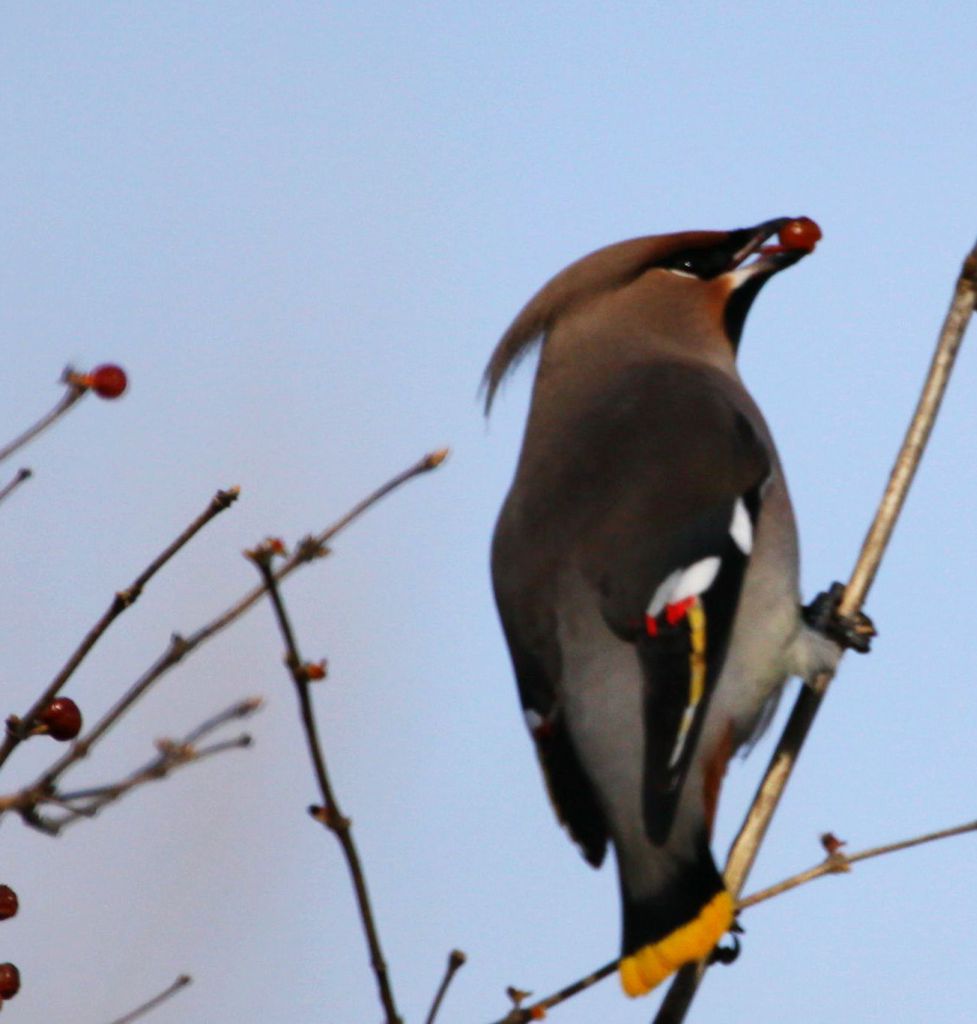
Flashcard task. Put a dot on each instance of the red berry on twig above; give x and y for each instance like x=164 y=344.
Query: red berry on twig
x=61 y=719
x=108 y=381
x=9 y=981
x=9 y=903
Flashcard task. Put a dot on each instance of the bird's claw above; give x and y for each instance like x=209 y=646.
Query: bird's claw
x=854 y=632
x=725 y=954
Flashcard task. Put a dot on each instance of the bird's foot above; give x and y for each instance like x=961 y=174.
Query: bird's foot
x=728 y=954
x=854 y=632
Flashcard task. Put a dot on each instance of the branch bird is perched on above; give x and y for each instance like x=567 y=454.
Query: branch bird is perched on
x=645 y=565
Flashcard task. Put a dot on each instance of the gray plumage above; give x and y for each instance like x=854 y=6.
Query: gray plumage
x=641 y=450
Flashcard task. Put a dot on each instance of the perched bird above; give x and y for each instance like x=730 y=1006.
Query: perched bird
x=645 y=564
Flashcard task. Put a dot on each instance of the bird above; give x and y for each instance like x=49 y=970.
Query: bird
x=645 y=565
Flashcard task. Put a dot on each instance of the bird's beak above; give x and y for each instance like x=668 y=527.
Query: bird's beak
x=769 y=258
x=755 y=260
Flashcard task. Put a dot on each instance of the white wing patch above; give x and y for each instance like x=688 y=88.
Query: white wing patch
x=675 y=591
x=740 y=528
x=684 y=583
x=663 y=594
x=697 y=579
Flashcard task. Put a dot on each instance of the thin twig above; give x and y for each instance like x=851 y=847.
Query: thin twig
x=456 y=960
x=180 y=646
x=73 y=393
x=538 y=1009
x=316 y=546
x=171 y=754
x=744 y=850
x=22 y=475
x=140 y=1011
x=839 y=863
x=241 y=709
x=88 y=803
x=18 y=729
x=329 y=814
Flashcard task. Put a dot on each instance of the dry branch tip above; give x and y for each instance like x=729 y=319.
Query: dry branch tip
x=225 y=498
x=181 y=982
x=266 y=552
x=457 y=958
x=436 y=458
x=19 y=478
x=831 y=843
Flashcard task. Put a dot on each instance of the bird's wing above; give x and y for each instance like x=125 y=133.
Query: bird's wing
x=524 y=577
x=669 y=550
x=645 y=494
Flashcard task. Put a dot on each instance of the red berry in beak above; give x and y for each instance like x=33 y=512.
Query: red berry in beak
x=801 y=233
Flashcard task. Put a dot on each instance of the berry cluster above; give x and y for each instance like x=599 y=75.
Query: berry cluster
x=61 y=720
x=9 y=975
x=61 y=717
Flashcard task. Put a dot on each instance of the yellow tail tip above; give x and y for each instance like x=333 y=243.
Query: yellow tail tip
x=651 y=965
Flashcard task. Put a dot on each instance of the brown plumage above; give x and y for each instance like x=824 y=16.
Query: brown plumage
x=645 y=566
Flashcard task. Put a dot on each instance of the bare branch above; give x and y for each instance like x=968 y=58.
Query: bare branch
x=171 y=755
x=313 y=547
x=8 y=489
x=18 y=729
x=537 y=1010
x=242 y=709
x=75 y=390
x=87 y=803
x=456 y=960
x=743 y=852
x=180 y=646
x=840 y=863
x=167 y=993
x=329 y=814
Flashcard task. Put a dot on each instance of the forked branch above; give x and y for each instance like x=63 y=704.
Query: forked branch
x=19 y=728
x=171 y=755
x=838 y=862
x=179 y=647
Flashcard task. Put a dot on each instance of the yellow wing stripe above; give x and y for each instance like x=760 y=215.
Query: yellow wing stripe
x=651 y=965
x=695 y=615
x=697 y=654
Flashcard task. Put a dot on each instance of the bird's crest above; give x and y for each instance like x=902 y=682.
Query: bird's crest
x=600 y=271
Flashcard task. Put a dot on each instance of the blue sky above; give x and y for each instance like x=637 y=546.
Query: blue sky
x=302 y=227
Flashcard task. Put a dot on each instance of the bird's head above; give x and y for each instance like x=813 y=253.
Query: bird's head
x=671 y=284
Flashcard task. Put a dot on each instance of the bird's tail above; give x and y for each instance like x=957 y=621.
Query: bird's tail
x=677 y=926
